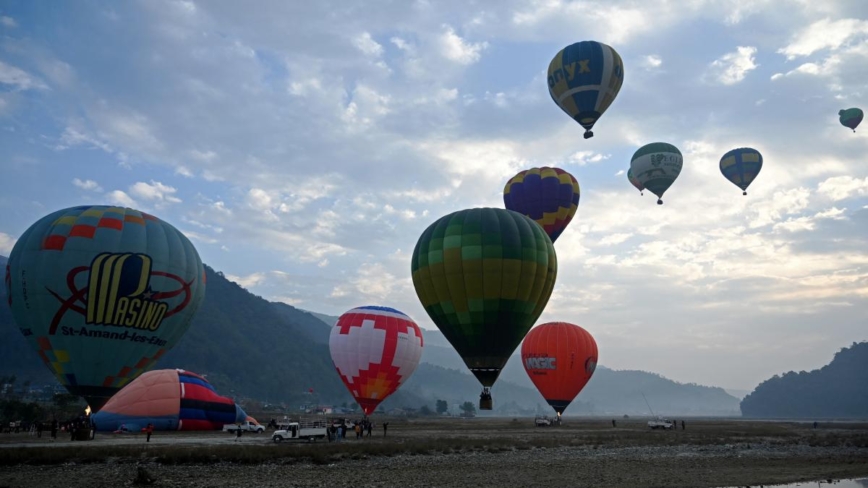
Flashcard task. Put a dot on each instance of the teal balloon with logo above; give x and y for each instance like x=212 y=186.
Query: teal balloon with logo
x=656 y=166
x=102 y=293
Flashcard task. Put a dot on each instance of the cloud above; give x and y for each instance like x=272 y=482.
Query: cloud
x=87 y=185
x=456 y=49
x=8 y=22
x=366 y=44
x=18 y=78
x=731 y=68
x=825 y=34
x=119 y=197
x=155 y=191
x=249 y=280
x=7 y=242
x=583 y=158
x=840 y=188
x=651 y=62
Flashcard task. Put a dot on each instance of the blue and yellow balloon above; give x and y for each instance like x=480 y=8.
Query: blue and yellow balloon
x=102 y=293
x=584 y=78
x=741 y=166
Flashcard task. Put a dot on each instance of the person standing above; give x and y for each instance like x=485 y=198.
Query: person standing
x=682 y=425
x=53 y=430
x=385 y=428
x=149 y=430
x=613 y=423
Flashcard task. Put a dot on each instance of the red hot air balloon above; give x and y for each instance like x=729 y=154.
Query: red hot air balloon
x=375 y=349
x=560 y=359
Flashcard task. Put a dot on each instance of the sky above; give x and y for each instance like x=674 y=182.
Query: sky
x=303 y=147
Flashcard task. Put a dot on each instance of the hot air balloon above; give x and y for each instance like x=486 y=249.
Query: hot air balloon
x=656 y=166
x=584 y=78
x=850 y=117
x=169 y=399
x=560 y=359
x=375 y=350
x=484 y=276
x=102 y=293
x=741 y=166
x=635 y=182
x=550 y=196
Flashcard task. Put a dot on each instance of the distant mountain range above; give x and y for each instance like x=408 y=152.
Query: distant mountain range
x=274 y=352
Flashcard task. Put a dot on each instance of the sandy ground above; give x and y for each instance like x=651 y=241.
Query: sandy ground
x=582 y=452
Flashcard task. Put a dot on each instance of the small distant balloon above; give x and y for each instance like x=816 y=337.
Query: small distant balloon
x=635 y=182
x=656 y=166
x=549 y=196
x=851 y=117
x=584 y=78
x=741 y=166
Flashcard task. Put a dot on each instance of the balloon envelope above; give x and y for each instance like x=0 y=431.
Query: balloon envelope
x=375 y=350
x=549 y=196
x=656 y=166
x=633 y=181
x=102 y=293
x=584 y=78
x=741 y=166
x=560 y=359
x=169 y=399
x=484 y=276
x=850 y=117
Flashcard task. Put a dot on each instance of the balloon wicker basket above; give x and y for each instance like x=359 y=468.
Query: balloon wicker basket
x=486 y=403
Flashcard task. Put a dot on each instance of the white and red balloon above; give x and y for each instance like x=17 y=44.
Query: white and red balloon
x=375 y=350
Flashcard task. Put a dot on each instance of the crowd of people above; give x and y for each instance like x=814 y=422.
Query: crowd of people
x=74 y=427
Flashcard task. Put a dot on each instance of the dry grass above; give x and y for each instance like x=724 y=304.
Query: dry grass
x=445 y=436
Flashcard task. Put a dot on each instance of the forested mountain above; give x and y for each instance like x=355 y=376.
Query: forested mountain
x=837 y=390
x=274 y=352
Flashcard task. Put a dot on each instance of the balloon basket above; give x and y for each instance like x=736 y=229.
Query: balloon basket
x=744 y=193
x=659 y=202
x=486 y=403
x=589 y=134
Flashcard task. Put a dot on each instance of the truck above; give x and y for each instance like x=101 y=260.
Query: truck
x=659 y=423
x=310 y=431
x=542 y=422
x=247 y=426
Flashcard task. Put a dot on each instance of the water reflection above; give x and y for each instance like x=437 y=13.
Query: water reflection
x=860 y=483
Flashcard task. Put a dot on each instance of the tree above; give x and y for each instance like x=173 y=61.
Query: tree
x=425 y=410
x=442 y=407
x=63 y=400
x=469 y=409
x=353 y=407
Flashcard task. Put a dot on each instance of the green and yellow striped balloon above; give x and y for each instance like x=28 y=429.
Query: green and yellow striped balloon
x=484 y=276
